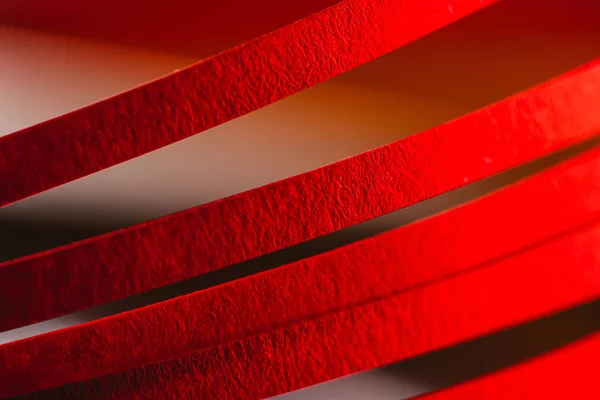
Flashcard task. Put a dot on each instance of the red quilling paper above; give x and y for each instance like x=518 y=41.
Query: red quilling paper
x=215 y=90
x=515 y=255
x=388 y=264
x=550 y=117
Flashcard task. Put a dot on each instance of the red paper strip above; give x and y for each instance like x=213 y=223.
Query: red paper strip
x=216 y=90
x=570 y=372
x=352 y=275
x=555 y=275
x=540 y=121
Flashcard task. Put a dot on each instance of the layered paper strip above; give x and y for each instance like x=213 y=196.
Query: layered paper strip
x=215 y=90
x=273 y=217
x=396 y=264
x=518 y=254
x=417 y=312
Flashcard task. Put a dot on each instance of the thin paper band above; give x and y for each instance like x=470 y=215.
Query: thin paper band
x=215 y=90
x=548 y=278
x=545 y=119
x=380 y=267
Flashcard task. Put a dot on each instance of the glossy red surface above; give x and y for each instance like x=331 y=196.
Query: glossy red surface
x=388 y=271
x=538 y=122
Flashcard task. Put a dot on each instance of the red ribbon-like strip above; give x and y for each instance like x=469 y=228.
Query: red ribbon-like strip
x=215 y=90
x=399 y=277
x=566 y=373
x=113 y=266
x=527 y=286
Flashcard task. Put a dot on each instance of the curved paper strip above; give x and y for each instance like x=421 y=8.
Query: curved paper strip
x=226 y=232
x=215 y=90
x=566 y=373
x=352 y=275
x=548 y=278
